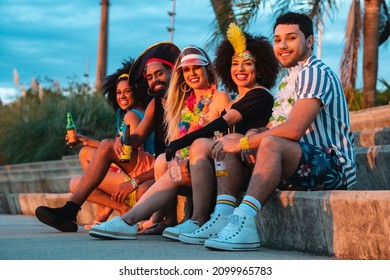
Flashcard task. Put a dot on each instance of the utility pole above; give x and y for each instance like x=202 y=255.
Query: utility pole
x=172 y=15
x=101 y=66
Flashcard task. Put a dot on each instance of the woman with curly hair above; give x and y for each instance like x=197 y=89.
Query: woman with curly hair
x=129 y=103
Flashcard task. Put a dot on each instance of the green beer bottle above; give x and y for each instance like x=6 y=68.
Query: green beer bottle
x=71 y=130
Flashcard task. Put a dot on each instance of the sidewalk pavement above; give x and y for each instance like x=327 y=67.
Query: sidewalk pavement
x=25 y=238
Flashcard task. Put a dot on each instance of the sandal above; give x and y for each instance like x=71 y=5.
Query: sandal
x=155 y=229
x=94 y=223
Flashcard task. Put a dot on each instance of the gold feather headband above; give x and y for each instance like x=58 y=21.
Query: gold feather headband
x=237 y=38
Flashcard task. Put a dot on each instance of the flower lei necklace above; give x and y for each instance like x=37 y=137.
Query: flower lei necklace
x=285 y=97
x=194 y=118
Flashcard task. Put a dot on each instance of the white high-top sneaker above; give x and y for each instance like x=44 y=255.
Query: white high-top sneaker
x=115 y=228
x=210 y=229
x=240 y=234
x=174 y=232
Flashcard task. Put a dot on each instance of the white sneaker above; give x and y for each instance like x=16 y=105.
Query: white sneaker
x=186 y=227
x=115 y=228
x=240 y=234
x=208 y=230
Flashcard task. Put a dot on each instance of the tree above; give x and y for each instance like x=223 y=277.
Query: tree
x=376 y=29
x=224 y=15
x=101 y=68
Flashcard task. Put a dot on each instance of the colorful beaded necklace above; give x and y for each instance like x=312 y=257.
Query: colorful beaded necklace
x=194 y=118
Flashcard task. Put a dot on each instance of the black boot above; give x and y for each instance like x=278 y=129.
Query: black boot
x=63 y=218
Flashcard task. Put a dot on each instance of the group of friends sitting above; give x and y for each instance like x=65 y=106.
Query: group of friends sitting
x=295 y=138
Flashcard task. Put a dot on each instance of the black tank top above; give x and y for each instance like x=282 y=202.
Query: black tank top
x=159 y=128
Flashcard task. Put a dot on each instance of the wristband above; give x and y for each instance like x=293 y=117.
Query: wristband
x=244 y=144
x=134 y=183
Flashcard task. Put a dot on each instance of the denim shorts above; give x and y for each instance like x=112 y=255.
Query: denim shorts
x=319 y=169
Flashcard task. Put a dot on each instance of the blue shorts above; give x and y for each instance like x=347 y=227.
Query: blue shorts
x=318 y=169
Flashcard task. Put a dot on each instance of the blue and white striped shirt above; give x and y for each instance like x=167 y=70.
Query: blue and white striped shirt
x=331 y=128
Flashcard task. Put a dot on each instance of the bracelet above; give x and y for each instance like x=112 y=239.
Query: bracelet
x=244 y=144
x=134 y=183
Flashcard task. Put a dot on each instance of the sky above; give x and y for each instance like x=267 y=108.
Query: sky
x=59 y=39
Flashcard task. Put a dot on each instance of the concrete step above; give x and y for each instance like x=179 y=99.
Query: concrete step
x=57 y=184
x=26 y=203
x=340 y=224
x=376 y=117
x=372 y=137
x=48 y=176
x=343 y=224
x=51 y=164
x=373 y=168
x=33 y=174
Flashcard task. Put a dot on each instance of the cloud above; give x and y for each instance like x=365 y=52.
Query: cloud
x=8 y=95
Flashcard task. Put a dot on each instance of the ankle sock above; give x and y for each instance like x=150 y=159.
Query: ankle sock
x=250 y=205
x=73 y=208
x=225 y=204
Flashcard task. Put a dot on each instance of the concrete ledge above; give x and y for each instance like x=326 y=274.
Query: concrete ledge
x=373 y=168
x=58 y=184
x=372 y=137
x=50 y=164
x=375 y=117
x=342 y=224
x=26 y=203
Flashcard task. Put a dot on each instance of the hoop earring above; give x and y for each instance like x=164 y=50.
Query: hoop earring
x=148 y=91
x=184 y=87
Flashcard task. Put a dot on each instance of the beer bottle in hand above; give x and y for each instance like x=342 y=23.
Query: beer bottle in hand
x=126 y=154
x=71 y=130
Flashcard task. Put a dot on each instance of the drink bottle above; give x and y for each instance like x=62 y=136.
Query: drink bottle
x=71 y=130
x=220 y=166
x=174 y=170
x=126 y=154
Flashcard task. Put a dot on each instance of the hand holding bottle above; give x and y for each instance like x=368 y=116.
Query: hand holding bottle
x=71 y=133
x=126 y=153
x=122 y=191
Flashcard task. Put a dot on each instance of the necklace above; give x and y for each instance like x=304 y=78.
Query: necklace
x=285 y=97
x=194 y=118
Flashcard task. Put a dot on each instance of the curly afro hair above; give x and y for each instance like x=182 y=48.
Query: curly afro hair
x=266 y=64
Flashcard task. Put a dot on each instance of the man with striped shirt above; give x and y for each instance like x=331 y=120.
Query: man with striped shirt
x=311 y=148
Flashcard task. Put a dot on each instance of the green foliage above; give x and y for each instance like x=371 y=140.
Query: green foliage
x=382 y=97
x=33 y=130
